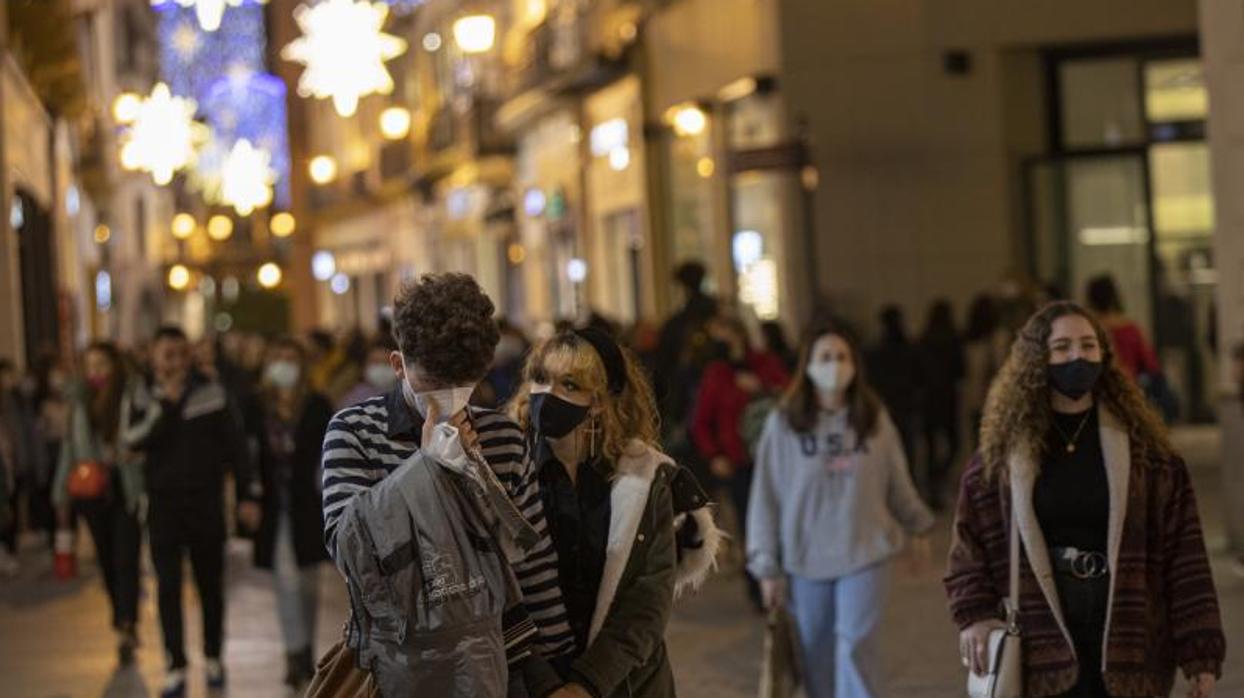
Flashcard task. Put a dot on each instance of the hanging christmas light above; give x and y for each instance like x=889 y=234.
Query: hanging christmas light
x=344 y=50
x=208 y=12
x=164 y=136
x=246 y=178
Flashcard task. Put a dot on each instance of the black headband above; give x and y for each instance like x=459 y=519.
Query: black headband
x=610 y=355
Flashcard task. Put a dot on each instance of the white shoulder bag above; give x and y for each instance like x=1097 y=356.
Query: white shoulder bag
x=1005 y=677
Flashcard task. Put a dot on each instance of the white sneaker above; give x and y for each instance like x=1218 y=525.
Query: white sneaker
x=174 y=684
x=215 y=674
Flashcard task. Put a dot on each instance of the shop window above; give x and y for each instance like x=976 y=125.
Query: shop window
x=1099 y=104
x=1175 y=90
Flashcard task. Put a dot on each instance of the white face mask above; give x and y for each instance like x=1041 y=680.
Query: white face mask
x=380 y=376
x=831 y=376
x=449 y=401
x=283 y=374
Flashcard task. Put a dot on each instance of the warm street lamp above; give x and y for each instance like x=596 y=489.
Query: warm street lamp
x=323 y=169
x=183 y=226
x=687 y=119
x=269 y=275
x=395 y=123
x=475 y=33
x=219 y=228
x=282 y=224
x=179 y=277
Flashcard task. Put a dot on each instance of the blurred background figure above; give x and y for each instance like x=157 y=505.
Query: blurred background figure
x=100 y=479
x=506 y=374
x=942 y=369
x=376 y=374
x=737 y=377
x=1133 y=349
x=985 y=346
x=893 y=363
x=10 y=440
x=679 y=355
x=775 y=342
x=292 y=419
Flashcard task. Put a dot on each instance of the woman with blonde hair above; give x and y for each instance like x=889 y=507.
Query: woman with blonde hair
x=1115 y=585
x=631 y=528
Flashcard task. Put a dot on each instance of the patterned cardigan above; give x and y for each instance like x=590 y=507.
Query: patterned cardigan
x=1163 y=611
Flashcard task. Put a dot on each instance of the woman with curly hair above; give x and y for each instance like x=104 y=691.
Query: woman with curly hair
x=1115 y=585
x=630 y=527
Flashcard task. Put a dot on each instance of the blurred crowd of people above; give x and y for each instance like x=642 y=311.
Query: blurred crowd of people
x=180 y=419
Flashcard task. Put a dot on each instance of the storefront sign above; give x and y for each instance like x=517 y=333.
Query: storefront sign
x=785 y=156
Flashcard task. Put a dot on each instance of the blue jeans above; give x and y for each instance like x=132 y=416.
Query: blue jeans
x=297 y=591
x=838 y=621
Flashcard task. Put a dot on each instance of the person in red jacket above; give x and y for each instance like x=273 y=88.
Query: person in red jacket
x=734 y=380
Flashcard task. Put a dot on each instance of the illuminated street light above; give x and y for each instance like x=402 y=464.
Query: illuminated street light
x=282 y=224
x=687 y=119
x=183 y=226
x=576 y=270
x=705 y=167
x=125 y=107
x=269 y=275
x=432 y=42
x=475 y=33
x=323 y=265
x=323 y=169
x=340 y=284
x=179 y=277
x=619 y=158
x=395 y=123
x=219 y=228
x=102 y=233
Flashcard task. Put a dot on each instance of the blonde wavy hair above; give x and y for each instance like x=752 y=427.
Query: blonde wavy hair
x=1018 y=413
x=628 y=416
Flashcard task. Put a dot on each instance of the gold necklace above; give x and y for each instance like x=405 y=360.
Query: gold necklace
x=1071 y=443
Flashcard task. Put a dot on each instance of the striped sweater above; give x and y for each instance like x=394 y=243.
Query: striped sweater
x=367 y=442
x=1164 y=609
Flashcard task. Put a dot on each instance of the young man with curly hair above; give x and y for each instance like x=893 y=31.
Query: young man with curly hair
x=446 y=338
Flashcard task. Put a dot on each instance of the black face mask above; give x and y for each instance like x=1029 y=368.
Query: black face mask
x=1075 y=379
x=554 y=417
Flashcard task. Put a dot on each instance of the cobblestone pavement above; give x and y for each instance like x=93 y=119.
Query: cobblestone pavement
x=55 y=643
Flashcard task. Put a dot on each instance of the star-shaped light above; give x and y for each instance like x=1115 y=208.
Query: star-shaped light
x=163 y=138
x=208 y=12
x=344 y=49
x=247 y=178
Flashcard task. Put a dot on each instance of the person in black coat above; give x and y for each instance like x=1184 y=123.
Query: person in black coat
x=942 y=368
x=289 y=421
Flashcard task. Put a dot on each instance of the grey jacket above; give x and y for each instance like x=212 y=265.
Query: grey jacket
x=435 y=607
x=824 y=504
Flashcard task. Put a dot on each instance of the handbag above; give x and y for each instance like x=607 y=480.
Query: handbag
x=338 y=676
x=780 y=674
x=88 y=480
x=1004 y=677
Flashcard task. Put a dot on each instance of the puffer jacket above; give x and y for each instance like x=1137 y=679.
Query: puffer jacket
x=434 y=602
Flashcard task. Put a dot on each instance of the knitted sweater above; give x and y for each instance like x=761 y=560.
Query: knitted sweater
x=1163 y=610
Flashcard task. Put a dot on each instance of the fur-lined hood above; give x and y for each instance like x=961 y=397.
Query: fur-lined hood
x=634 y=474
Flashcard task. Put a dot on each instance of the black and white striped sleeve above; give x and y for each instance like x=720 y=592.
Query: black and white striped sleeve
x=346 y=471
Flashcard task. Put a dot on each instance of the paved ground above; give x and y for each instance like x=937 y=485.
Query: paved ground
x=55 y=643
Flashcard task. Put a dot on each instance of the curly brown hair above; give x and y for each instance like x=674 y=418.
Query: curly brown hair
x=444 y=323
x=628 y=416
x=1018 y=413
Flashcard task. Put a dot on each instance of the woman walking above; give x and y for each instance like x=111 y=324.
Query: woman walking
x=292 y=420
x=1115 y=585
x=103 y=481
x=613 y=500
x=832 y=504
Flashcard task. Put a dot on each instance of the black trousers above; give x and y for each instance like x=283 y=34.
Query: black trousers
x=941 y=438
x=194 y=524
x=118 y=540
x=1084 y=604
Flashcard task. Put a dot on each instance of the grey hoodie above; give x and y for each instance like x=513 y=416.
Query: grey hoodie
x=824 y=506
